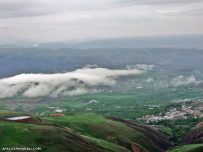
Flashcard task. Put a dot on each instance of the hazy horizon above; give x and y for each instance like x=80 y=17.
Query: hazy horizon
x=58 y=21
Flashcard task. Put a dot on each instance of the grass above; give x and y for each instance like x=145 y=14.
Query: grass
x=86 y=124
x=17 y=134
x=6 y=113
x=107 y=145
x=85 y=132
x=189 y=148
x=50 y=138
x=96 y=126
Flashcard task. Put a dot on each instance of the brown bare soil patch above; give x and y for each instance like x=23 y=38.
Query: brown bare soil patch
x=135 y=148
x=56 y=115
x=112 y=139
x=199 y=124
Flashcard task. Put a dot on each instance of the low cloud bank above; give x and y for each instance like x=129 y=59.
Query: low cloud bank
x=77 y=82
x=150 y=80
x=174 y=82
x=181 y=80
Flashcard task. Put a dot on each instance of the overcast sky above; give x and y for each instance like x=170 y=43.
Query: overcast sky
x=64 y=20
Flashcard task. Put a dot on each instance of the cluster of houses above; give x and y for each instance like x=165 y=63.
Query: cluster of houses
x=57 y=109
x=173 y=114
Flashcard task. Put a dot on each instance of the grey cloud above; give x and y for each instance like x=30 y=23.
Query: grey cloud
x=21 y=8
x=153 y=2
x=63 y=20
x=26 y=8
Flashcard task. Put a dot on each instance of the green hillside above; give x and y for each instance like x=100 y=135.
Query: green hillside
x=82 y=133
x=51 y=138
x=124 y=133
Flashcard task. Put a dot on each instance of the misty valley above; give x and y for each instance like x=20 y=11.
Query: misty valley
x=101 y=76
x=160 y=88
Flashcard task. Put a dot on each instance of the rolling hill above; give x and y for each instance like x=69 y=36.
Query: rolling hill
x=93 y=133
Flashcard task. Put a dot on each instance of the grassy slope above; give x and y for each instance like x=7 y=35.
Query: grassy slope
x=80 y=133
x=113 y=131
x=189 y=148
x=50 y=138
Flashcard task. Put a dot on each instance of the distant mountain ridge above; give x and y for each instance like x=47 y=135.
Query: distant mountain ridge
x=35 y=60
x=168 y=41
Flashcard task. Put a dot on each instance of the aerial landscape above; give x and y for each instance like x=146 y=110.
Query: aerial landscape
x=105 y=76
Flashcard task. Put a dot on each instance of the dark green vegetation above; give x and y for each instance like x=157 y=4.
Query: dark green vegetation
x=195 y=135
x=82 y=133
x=176 y=129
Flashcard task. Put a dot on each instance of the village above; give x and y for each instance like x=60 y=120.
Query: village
x=175 y=113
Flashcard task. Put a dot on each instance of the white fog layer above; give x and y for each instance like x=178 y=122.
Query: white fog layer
x=80 y=81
